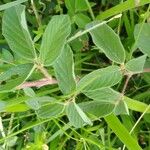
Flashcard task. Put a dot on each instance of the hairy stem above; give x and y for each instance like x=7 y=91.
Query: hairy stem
x=126 y=83
x=44 y=72
x=38 y=83
x=49 y=80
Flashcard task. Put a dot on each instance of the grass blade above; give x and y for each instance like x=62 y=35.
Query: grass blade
x=122 y=132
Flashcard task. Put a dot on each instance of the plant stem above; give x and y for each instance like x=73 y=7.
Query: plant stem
x=38 y=83
x=44 y=72
x=10 y=63
x=126 y=83
x=2 y=131
x=36 y=14
x=10 y=123
x=121 y=97
x=80 y=33
x=59 y=7
x=90 y=10
x=49 y=80
x=119 y=24
x=146 y=70
x=1 y=128
x=148 y=107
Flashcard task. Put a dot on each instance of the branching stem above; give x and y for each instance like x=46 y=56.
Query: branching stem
x=44 y=72
x=49 y=80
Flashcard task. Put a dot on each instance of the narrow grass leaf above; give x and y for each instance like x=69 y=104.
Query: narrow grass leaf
x=28 y=126
x=5 y=106
x=136 y=105
x=17 y=108
x=122 y=133
x=120 y=8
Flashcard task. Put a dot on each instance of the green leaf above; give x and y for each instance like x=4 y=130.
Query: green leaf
x=123 y=134
x=33 y=103
x=3 y=105
x=54 y=38
x=97 y=108
x=50 y=110
x=58 y=133
x=9 y=106
x=104 y=95
x=13 y=77
x=81 y=20
x=17 y=108
x=136 y=65
x=64 y=70
x=80 y=5
x=108 y=100
x=120 y=8
x=36 y=103
x=108 y=41
x=121 y=108
x=105 y=77
x=136 y=105
x=29 y=125
x=7 y=56
x=143 y=38
x=29 y=92
x=11 y=4
x=13 y=105
x=76 y=116
x=74 y=6
x=70 y=4
x=16 y=32
x=12 y=141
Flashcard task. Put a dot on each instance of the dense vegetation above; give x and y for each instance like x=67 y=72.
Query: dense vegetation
x=75 y=74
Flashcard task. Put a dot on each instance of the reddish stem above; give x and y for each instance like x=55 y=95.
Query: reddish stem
x=38 y=83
